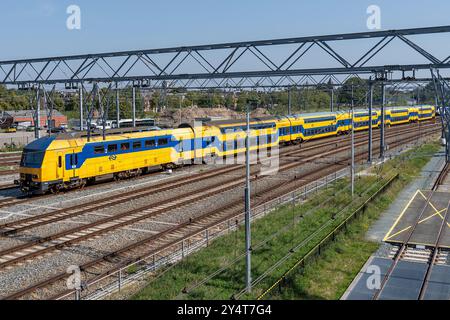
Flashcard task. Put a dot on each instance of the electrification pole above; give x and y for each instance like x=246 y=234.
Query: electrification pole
x=37 y=125
x=383 y=120
x=80 y=96
x=49 y=129
x=117 y=106
x=247 y=206
x=352 y=173
x=290 y=101
x=418 y=95
x=332 y=100
x=134 y=106
x=370 y=119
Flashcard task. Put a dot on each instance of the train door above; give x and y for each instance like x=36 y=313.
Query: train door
x=181 y=150
x=74 y=165
x=59 y=166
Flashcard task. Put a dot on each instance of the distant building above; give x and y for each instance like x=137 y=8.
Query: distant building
x=26 y=116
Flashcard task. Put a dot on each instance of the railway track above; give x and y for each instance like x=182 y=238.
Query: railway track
x=204 y=222
x=8 y=172
x=80 y=209
x=8 y=160
x=35 y=248
x=135 y=216
x=8 y=187
x=308 y=145
x=435 y=248
x=10 y=155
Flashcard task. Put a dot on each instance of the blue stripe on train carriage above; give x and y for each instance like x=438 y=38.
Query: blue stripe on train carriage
x=128 y=146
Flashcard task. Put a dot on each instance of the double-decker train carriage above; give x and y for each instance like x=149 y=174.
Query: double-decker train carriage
x=400 y=115
x=426 y=112
x=361 y=119
x=308 y=126
x=232 y=133
x=67 y=161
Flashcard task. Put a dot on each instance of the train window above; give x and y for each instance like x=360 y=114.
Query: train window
x=163 y=142
x=99 y=150
x=59 y=162
x=137 y=145
x=112 y=148
x=150 y=143
x=125 y=146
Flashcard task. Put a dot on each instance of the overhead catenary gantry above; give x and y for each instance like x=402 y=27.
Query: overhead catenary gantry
x=277 y=63
x=234 y=63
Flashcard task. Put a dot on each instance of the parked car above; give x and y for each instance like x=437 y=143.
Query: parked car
x=57 y=130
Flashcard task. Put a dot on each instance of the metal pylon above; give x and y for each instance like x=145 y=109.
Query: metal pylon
x=442 y=88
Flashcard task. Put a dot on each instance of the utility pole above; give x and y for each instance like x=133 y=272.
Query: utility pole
x=248 y=243
x=418 y=95
x=37 y=124
x=181 y=107
x=383 y=120
x=352 y=173
x=49 y=128
x=290 y=101
x=134 y=106
x=117 y=106
x=332 y=100
x=80 y=96
x=370 y=119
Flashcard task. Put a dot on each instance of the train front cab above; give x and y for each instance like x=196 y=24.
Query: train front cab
x=42 y=166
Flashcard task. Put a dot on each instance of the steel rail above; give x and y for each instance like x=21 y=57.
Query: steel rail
x=436 y=246
x=411 y=138
x=435 y=249
x=404 y=246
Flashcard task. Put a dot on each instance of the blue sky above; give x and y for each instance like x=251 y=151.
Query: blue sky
x=36 y=28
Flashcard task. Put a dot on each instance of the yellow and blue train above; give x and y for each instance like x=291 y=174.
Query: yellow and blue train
x=68 y=161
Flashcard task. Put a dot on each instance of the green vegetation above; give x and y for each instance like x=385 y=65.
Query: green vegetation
x=327 y=278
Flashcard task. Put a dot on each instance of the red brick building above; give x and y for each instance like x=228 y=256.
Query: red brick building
x=26 y=116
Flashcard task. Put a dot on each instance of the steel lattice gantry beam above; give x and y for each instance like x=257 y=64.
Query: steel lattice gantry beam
x=253 y=63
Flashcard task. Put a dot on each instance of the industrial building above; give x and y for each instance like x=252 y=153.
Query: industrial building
x=25 y=118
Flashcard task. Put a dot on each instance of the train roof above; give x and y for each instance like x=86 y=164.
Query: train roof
x=399 y=107
x=40 y=144
x=221 y=123
x=109 y=132
x=315 y=114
